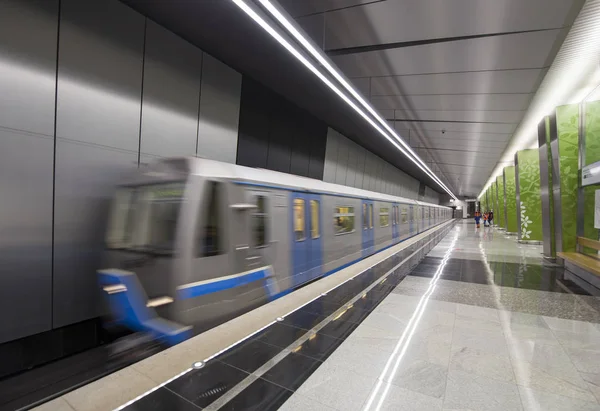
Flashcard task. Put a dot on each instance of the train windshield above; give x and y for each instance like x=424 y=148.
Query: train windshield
x=144 y=218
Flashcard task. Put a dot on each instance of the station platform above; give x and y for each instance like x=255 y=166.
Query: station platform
x=456 y=318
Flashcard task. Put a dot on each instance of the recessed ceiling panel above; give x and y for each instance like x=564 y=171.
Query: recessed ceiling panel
x=464 y=137
x=478 y=82
x=511 y=117
x=526 y=50
x=467 y=145
x=465 y=127
x=298 y=8
x=410 y=20
x=484 y=102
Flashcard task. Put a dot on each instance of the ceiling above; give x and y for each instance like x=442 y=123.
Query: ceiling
x=453 y=77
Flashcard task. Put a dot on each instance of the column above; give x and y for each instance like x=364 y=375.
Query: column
x=528 y=186
x=510 y=200
x=590 y=153
x=500 y=213
x=564 y=143
x=545 y=155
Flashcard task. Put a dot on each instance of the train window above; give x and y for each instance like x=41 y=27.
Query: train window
x=145 y=218
x=211 y=239
x=314 y=219
x=365 y=218
x=259 y=217
x=370 y=215
x=384 y=216
x=343 y=220
x=299 y=219
x=404 y=215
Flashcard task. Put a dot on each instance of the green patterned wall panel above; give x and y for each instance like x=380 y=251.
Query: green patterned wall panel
x=567 y=125
x=511 y=199
x=500 y=212
x=592 y=154
x=530 y=195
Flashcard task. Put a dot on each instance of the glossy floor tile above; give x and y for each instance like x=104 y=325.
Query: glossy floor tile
x=486 y=331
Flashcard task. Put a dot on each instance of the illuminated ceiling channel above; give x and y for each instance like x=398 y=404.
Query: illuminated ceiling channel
x=573 y=77
x=374 y=119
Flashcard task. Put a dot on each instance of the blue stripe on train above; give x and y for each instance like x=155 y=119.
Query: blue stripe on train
x=191 y=291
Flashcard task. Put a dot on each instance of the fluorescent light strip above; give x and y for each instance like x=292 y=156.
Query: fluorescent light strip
x=258 y=19
x=325 y=63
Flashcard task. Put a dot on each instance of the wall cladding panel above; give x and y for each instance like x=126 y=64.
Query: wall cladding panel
x=352 y=158
x=28 y=33
x=85 y=178
x=219 y=111
x=253 y=137
x=280 y=135
x=342 y=162
x=172 y=69
x=330 y=156
x=26 y=240
x=317 y=133
x=100 y=73
x=99 y=104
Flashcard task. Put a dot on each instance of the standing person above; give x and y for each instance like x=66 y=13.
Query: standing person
x=477 y=218
x=491 y=217
x=485 y=219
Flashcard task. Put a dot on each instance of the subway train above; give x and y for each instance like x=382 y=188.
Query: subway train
x=192 y=242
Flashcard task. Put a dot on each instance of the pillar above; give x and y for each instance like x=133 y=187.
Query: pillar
x=510 y=200
x=527 y=164
x=545 y=155
x=500 y=213
x=564 y=143
x=590 y=153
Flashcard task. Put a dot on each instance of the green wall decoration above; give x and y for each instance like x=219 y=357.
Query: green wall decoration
x=511 y=199
x=592 y=154
x=567 y=127
x=530 y=195
x=500 y=212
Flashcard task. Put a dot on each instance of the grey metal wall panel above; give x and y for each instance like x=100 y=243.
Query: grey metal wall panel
x=352 y=154
x=100 y=73
x=171 y=94
x=342 y=161
x=219 y=111
x=330 y=156
x=85 y=178
x=28 y=31
x=360 y=167
x=365 y=181
x=28 y=39
x=26 y=240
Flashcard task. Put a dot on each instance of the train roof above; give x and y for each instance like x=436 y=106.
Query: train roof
x=275 y=179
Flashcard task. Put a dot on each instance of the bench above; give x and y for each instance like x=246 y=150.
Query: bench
x=582 y=264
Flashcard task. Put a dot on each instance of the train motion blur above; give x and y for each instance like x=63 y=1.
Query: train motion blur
x=193 y=241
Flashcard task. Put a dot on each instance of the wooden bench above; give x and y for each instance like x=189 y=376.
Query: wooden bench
x=586 y=262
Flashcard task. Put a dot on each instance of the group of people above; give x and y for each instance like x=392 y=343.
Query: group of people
x=488 y=218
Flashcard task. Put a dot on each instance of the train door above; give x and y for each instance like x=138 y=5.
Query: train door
x=368 y=234
x=307 y=245
x=411 y=219
x=395 y=231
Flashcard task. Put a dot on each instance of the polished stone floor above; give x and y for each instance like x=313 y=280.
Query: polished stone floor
x=482 y=323
x=479 y=323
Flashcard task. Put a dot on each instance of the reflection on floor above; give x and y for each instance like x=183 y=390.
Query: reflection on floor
x=480 y=324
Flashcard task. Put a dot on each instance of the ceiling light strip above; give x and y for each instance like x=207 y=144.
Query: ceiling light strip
x=340 y=78
x=269 y=29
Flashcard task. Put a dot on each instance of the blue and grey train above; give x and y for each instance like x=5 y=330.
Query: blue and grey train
x=194 y=242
